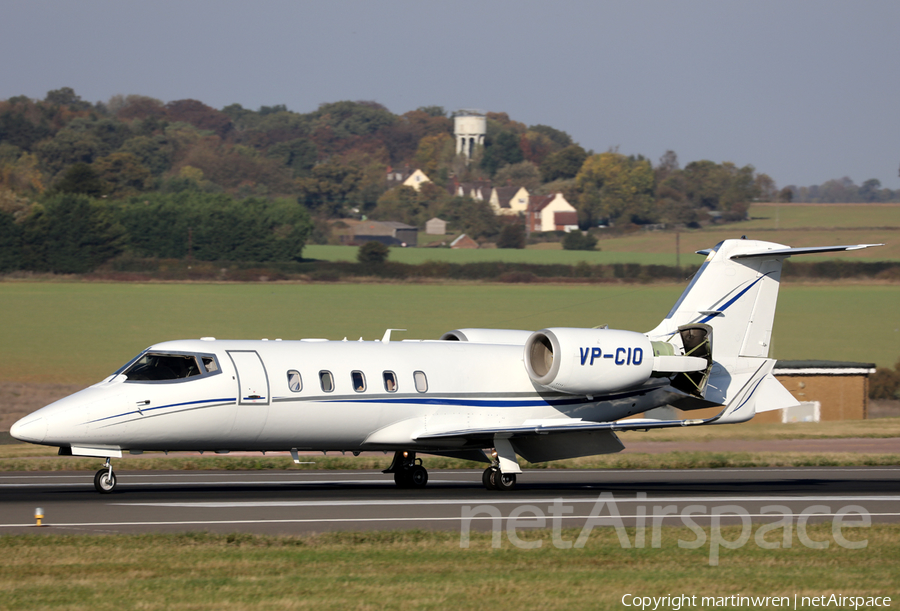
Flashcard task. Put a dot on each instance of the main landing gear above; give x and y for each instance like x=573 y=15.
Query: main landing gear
x=494 y=479
x=408 y=470
x=105 y=479
x=501 y=475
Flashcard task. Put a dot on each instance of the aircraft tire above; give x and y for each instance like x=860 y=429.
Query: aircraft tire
x=401 y=478
x=104 y=481
x=487 y=478
x=417 y=476
x=503 y=481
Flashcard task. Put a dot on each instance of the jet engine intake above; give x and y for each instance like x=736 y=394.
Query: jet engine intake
x=588 y=361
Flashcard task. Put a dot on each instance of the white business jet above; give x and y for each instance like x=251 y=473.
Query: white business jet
x=482 y=394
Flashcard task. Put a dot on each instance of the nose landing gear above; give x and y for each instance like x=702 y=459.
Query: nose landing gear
x=105 y=479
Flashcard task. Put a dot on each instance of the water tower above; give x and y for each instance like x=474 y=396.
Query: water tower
x=469 y=127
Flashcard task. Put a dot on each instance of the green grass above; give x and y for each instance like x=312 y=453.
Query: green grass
x=806 y=216
x=427 y=570
x=542 y=255
x=668 y=460
x=661 y=245
x=791 y=224
x=81 y=332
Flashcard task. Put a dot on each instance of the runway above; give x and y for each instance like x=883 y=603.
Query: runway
x=298 y=502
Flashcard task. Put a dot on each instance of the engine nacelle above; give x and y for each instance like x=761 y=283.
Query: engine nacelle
x=588 y=361
x=488 y=336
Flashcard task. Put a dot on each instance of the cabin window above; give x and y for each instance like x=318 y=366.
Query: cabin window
x=155 y=367
x=294 y=381
x=421 y=381
x=390 y=381
x=326 y=380
x=359 y=381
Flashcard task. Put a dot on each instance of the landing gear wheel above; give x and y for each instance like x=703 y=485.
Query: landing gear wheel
x=417 y=476
x=503 y=481
x=104 y=481
x=401 y=478
x=486 y=478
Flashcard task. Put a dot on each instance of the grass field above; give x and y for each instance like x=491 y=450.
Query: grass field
x=81 y=332
x=430 y=570
x=668 y=460
x=822 y=216
x=791 y=224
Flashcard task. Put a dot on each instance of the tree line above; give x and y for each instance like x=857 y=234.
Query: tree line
x=75 y=233
x=188 y=161
x=843 y=191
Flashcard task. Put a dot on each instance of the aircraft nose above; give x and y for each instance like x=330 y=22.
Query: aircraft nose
x=30 y=428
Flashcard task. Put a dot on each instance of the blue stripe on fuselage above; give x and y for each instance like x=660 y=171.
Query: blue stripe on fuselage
x=151 y=409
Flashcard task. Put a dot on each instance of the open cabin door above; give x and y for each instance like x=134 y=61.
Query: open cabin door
x=253 y=397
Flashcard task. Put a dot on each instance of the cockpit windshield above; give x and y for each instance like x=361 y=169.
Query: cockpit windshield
x=155 y=366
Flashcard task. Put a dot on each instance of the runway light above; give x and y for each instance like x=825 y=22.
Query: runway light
x=38 y=516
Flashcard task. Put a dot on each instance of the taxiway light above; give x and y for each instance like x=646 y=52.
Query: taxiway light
x=38 y=516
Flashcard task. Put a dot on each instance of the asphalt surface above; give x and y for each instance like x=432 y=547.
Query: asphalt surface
x=298 y=502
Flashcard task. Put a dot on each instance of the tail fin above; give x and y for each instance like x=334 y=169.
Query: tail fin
x=735 y=292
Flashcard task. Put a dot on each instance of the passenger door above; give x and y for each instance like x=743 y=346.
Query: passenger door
x=253 y=395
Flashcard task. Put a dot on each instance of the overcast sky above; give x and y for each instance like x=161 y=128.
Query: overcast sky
x=805 y=91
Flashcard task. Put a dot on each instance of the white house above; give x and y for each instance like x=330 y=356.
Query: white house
x=509 y=200
x=414 y=178
x=551 y=213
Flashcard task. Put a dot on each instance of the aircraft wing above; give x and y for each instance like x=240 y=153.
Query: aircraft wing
x=740 y=408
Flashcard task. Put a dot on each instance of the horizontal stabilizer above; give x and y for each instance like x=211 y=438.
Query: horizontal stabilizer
x=772 y=396
x=787 y=252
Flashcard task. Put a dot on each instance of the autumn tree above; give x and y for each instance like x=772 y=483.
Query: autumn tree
x=522 y=174
x=475 y=218
x=615 y=187
x=124 y=173
x=434 y=156
x=199 y=115
x=406 y=205
x=330 y=189
x=722 y=187
x=563 y=164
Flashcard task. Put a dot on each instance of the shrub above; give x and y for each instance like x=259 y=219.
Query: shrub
x=373 y=252
x=512 y=236
x=885 y=383
x=576 y=240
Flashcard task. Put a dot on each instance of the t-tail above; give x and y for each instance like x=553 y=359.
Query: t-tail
x=726 y=314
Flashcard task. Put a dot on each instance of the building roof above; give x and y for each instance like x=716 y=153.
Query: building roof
x=463 y=241
x=375 y=227
x=539 y=202
x=397 y=225
x=504 y=194
x=814 y=367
